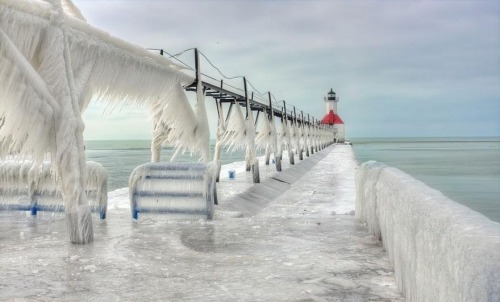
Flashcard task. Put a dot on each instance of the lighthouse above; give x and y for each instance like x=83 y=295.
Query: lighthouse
x=332 y=118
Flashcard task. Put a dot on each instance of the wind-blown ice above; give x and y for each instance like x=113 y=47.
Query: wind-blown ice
x=294 y=136
x=267 y=138
x=183 y=190
x=193 y=136
x=441 y=250
x=235 y=135
x=25 y=184
x=52 y=66
x=286 y=138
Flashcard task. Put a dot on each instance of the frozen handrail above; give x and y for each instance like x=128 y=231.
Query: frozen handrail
x=28 y=187
x=182 y=190
x=440 y=250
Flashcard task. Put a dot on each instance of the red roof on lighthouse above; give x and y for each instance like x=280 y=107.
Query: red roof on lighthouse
x=332 y=119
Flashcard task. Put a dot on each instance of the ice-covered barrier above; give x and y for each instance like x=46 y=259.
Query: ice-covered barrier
x=25 y=186
x=185 y=190
x=441 y=250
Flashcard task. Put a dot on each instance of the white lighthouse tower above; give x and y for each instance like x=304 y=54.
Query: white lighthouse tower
x=332 y=118
x=331 y=101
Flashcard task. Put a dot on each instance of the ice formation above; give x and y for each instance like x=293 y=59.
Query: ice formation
x=190 y=135
x=235 y=135
x=266 y=138
x=294 y=135
x=441 y=250
x=30 y=186
x=301 y=145
x=251 y=158
x=53 y=64
x=180 y=190
x=221 y=131
x=281 y=139
x=285 y=138
x=307 y=137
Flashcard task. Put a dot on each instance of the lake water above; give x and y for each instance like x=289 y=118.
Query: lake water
x=467 y=170
x=120 y=158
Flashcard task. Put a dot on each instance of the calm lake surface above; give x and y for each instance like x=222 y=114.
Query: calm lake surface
x=467 y=170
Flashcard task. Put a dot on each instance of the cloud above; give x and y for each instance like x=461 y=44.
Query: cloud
x=394 y=64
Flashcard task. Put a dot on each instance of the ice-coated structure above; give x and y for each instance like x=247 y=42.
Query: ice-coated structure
x=234 y=136
x=52 y=64
x=28 y=186
x=267 y=138
x=190 y=135
x=185 y=190
x=441 y=250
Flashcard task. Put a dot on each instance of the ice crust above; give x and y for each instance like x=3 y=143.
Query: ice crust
x=24 y=182
x=295 y=248
x=441 y=250
x=53 y=65
x=180 y=190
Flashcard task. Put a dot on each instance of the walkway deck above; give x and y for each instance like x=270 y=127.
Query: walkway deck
x=299 y=247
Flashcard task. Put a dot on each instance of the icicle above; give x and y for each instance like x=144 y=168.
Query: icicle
x=235 y=136
x=71 y=9
x=221 y=130
x=250 y=141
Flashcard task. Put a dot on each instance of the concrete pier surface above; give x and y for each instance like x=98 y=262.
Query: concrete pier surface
x=291 y=238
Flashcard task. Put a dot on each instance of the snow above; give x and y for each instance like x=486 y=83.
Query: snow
x=53 y=65
x=441 y=250
x=26 y=182
x=175 y=189
x=289 y=250
x=234 y=137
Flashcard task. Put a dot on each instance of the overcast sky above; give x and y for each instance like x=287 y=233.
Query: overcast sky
x=400 y=68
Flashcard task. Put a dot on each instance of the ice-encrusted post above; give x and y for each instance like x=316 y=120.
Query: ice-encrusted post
x=202 y=132
x=250 y=129
x=315 y=136
x=287 y=136
x=221 y=129
x=56 y=69
x=277 y=157
x=311 y=134
x=306 y=132
x=281 y=142
x=299 y=136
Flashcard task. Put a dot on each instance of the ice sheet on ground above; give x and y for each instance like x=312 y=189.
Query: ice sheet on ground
x=281 y=254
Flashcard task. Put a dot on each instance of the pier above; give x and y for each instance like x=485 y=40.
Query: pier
x=297 y=229
x=304 y=244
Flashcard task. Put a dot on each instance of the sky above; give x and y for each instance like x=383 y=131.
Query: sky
x=400 y=68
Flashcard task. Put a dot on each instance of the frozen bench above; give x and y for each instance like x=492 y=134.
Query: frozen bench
x=33 y=188
x=182 y=190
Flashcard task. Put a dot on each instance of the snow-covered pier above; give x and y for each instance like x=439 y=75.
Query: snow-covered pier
x=305 y=244
x=440 y=250
x=53 y=64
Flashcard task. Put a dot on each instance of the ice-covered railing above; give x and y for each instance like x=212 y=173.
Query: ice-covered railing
x=441 y=250
x=25 y=186
x=52 y=64
x=266 y=138
x=179 y=190
x=233 y=134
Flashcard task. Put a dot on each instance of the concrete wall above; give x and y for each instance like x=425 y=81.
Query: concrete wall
x=441 y=250
x=340 y=129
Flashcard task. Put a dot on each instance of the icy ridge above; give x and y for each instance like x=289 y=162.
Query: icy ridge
x=441 y=250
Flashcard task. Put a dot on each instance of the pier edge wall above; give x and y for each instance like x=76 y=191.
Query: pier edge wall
x=440 y=250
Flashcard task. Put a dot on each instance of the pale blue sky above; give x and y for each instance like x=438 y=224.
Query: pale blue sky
x=400 y=68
